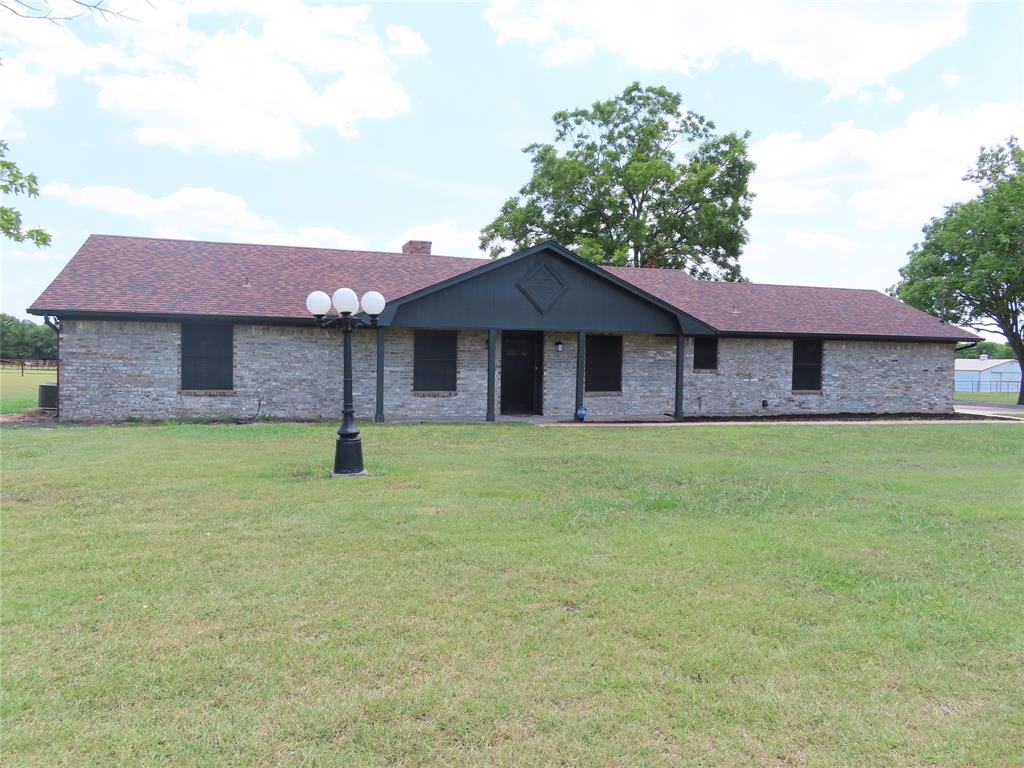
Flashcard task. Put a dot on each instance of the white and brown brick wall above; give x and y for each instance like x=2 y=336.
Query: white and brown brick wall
x=114 y=370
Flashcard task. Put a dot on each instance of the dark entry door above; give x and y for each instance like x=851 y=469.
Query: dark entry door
x=522 y=372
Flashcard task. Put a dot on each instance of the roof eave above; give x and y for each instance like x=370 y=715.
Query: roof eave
x=847 y=336
x=309 y=321
x=172 y=317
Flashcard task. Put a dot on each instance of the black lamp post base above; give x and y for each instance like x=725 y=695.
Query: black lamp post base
x=348 y=458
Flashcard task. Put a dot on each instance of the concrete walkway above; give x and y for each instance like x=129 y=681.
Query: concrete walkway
x=990 y=409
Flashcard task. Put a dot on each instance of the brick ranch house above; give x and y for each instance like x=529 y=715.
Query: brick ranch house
x=157 y=329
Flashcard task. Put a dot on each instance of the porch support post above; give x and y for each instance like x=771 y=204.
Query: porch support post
x=680 y=367
x=379 y=415
x=492 y=344
x=581 y=368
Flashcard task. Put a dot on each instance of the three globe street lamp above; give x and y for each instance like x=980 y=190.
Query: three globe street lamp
x=348 y=450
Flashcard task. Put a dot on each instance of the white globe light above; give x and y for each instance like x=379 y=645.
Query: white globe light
x=373 y=303
x=318 y=303
x=346 y=301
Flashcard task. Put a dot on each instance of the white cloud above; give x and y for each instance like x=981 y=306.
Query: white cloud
x=406 y=42
x=850 y=47
x=21 y=89
x=893 y=95
x=820 y=241
x=756 y=251
x=569 y=49
x=446 y=237
x=844 y=207
x=950 y=77
x=791 y=179
x=230 y=77
x=42 y=53
x=789 y=198
x=198 y=212
x=204 y=213
x=897 y=177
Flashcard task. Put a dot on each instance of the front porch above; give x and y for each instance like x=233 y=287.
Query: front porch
x=552 y=333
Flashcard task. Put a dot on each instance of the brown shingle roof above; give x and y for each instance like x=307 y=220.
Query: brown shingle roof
x=189 y=277
x=112 y=274
x=760 y=308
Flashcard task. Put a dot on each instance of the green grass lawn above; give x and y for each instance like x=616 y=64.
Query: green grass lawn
x=987 y=397
x=20 y=393
x=515 y=596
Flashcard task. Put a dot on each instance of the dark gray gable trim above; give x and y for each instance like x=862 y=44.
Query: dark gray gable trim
x=687 y=323
x=542 y=287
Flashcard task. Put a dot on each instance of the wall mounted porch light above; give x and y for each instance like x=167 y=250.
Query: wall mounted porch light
x=348 y=450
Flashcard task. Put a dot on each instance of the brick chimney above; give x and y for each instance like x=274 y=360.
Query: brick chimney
x=420 y=247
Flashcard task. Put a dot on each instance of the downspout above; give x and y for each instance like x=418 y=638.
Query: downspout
x=54 y=323
x=968 y=345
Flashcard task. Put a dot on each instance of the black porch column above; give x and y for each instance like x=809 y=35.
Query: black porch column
x=581 y=368
x=379 y=415
x=492 y=344
x=680 y=367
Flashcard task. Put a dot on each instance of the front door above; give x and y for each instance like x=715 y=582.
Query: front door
x=522 y=372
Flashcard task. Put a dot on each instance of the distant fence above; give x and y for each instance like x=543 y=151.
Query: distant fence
x=1007 y=385
x=29 y=365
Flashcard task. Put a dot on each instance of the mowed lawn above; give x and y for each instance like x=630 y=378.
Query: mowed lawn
x=514 y=596
x=21 y=392
x=986 y=397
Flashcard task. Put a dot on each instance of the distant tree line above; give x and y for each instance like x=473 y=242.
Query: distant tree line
x=25 y=340
x=993 y=349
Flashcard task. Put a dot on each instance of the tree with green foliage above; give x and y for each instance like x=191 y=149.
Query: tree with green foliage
x=969 y=269
x=993 y=349
x=634 y=181
x=14 y=182
x=25 y=340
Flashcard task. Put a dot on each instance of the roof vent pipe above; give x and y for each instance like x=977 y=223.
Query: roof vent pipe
x=419 y=247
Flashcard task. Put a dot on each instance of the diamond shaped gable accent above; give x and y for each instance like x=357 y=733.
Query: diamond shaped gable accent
x=542 y=287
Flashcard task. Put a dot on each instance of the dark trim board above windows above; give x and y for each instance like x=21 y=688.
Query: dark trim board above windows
x=207 y=357
x=705 y=353
x=603 y=363
x=807 y=365
x=434 y=361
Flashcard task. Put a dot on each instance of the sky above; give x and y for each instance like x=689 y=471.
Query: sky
x=366 y=125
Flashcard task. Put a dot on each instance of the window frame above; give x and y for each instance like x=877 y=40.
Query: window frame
x=199 y=357
x=702 y=355
x=602 y=387
x=800 y=367
x=423 y=358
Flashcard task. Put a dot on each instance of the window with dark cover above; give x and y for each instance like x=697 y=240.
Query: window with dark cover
x=807 y=364
x=604 y=364
x=206 y=356
x=705 y=353
x=433 y=363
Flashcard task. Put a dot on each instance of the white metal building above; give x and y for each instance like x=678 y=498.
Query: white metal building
x=987 y=375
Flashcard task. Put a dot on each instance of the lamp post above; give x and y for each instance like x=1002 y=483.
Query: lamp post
x=348 y=450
